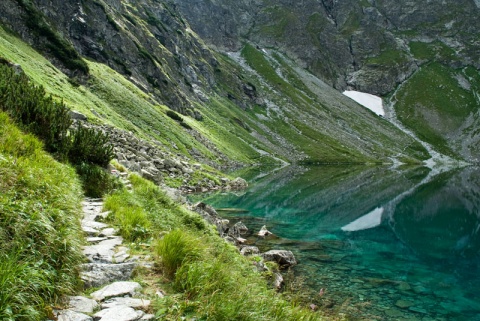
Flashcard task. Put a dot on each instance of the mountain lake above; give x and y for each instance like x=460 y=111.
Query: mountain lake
x=372 y=242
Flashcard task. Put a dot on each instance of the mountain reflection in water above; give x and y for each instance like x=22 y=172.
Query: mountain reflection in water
x=404 y=241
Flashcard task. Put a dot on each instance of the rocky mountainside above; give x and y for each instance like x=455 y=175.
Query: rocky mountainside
x=363 y=44
x=371 y=46
x=254 y=102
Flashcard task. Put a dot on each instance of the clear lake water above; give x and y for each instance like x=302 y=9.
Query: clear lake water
x=372 y=243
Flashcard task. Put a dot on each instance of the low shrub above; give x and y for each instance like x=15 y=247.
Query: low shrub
x=50 y=121
x=96 y=182
x=90 y=146
x=173 y=115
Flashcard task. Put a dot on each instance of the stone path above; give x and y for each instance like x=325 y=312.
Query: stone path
x=109 y=265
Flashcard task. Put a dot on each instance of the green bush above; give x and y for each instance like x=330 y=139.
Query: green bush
x=173 y=115
x=49 y=120
x=90 y=146
x=38 y=114
x=96 y=181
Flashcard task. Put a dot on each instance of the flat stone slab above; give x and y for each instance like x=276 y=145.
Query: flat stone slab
x=118 y=313
x=102 y=252
x=129 y=302
x=68 y=315
x=82 y=304
x=116 y=289
x=98 y=274
x=147 y=317
x=107 y=232
x=96 y=239
x=95 y=225
x=90 y=231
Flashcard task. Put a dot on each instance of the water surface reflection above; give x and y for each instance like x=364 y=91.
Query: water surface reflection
x=385 y=244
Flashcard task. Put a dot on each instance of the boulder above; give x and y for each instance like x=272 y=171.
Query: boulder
x=264 y=232
x=249 y=250
x=77 y=115
x=277 y=280
x=284 y=258
x=237 y=230
x=238 y=183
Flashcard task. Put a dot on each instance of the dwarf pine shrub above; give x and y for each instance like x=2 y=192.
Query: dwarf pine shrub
x=50 y=121
x=90 y=146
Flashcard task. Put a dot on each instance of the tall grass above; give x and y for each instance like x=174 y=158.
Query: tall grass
x=211 y=279
x=39 y=226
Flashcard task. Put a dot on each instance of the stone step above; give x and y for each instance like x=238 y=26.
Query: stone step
x=116 y=289
x=98 y=274
x=118 y=313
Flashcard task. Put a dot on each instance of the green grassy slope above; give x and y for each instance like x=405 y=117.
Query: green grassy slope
x=119 y=103
x=441 y=104
x=39 y=227
x=304 y=125
x=328 y=126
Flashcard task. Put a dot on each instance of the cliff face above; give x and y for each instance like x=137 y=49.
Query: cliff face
x=362 y=44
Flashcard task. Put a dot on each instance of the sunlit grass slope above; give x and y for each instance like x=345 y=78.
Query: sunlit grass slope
x=110 y=98
x=39 y=227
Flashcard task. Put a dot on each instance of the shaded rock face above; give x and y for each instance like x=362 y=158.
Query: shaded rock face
x=359 y=44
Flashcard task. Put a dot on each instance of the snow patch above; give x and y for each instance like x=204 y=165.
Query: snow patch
x=370 y=220
x=372 y=102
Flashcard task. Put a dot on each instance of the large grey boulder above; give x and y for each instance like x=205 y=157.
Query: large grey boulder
x=115 y=290
x=282 y=257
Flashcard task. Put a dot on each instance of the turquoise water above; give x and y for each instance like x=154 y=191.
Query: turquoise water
x=382 y=244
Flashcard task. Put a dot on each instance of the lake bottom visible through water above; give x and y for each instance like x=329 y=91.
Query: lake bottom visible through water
x=372 y=244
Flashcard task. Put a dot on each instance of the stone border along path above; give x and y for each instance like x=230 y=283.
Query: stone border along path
x=109 y=265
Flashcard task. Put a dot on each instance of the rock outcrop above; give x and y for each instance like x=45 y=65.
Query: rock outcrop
x=362 y=44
